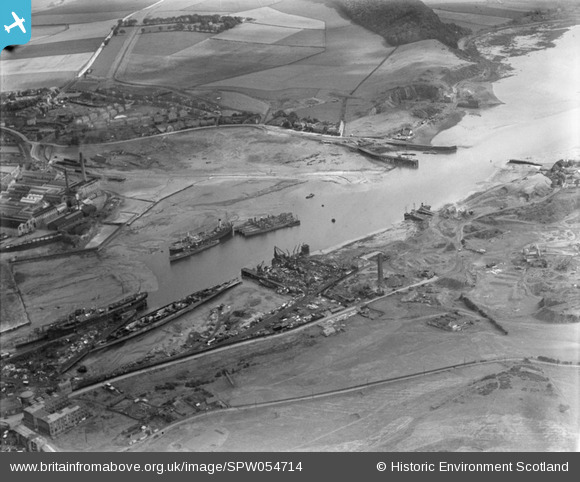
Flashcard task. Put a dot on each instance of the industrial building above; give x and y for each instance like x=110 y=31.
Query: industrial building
x=54 y=417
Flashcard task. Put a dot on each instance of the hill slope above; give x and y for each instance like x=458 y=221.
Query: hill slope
x=401 y=21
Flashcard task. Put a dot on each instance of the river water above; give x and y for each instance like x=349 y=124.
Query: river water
x=539 y=120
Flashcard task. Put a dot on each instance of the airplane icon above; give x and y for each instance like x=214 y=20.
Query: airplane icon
x=17 y=23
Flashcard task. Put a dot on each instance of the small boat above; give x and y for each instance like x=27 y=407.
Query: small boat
x=310 y=196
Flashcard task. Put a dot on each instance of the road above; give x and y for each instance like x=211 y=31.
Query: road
x=340 y=391
x=241 y=343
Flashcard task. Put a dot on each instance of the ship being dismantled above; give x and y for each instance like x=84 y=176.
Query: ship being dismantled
x=196 y=243
x=266 y=224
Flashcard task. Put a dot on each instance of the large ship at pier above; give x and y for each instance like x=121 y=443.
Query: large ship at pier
x=266 y=224
x=193 y=247
x=166 y=313
x=84 y=317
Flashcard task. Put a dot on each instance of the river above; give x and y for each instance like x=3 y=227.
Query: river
x=538 y=120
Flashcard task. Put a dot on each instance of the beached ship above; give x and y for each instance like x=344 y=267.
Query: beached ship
x=266 y=224
x=398 y=161
x=166 y=314
x=192 y=242
x=419 y=214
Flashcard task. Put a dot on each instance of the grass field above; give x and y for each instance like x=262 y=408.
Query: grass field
x=78 y=31
x=210 y=61
x=479 y=9
x=305 y=38
x=84 y=7
x=474 y=22
x=237 y=101
x=316 y=10
x=255 y=33
x=351 y=53
x=34 y=80
x=167 y=43
x=228 y=5
x=271 y=16
x=39 y=65
x=42 y=32
x=106 y=58
x=75 y=18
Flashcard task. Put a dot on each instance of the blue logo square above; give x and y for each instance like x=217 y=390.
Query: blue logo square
x=15 y=22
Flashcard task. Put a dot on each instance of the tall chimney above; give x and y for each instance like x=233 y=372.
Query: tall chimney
x=82 y=163
x=380 y=270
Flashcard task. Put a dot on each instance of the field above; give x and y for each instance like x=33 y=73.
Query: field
x=210 y=61
x=103 y=65
x=225 y=6
x=52 y=70
x=41 y=32
x=445 y=412
x=305 y=38
x=74 y=32
x=84 y=7
x=76 y=19
x=235 y=100
x=476 y=9
x=256 y=33
x=472 y=21
x=350 y=54
x=167 y=43
x=272 y=16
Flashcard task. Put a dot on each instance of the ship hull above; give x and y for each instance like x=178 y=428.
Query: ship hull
x=171 y=316
x=190 y=252
x=63 y=327
x=216 y=235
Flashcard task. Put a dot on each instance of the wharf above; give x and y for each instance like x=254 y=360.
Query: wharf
x=420 y=147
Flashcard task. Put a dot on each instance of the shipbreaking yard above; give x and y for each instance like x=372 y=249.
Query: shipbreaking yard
x=300 y=316
x=185 y=268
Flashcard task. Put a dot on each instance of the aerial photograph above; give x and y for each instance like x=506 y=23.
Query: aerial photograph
x=291 y=226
